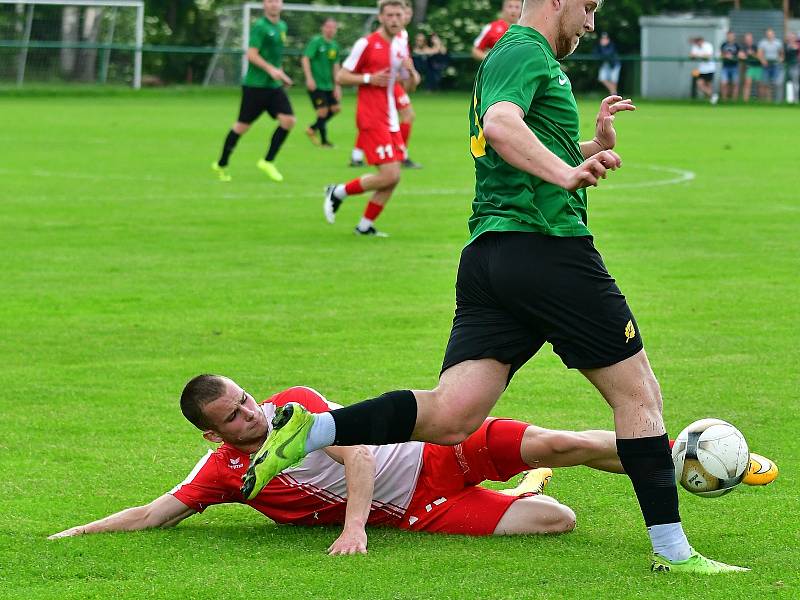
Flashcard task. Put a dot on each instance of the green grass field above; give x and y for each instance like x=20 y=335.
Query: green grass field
x=127 y=269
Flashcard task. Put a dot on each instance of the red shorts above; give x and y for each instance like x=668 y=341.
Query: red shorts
x=401 y=99
x=447 y=498
x=381 y=146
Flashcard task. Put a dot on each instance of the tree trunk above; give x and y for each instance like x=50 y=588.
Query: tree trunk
x=70 y=18
x=420 y=11
x=92 y=17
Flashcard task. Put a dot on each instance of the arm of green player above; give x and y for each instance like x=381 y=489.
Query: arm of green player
x=605 y=136
x=359 y=470
x=254 y=57
x=337 y=89
x=506 y=132
x=164 y=511
x=311 y=85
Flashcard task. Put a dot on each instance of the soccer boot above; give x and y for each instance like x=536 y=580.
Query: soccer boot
x=284 y=447
x=312 y=136
x=222 y=173
x=356 y=163
x=331 y=204
x=370 y=232
x=760 y=471
x=410 y=164
x=269 y=168
x=533 y=482
x=696 y=563
x=328 y=145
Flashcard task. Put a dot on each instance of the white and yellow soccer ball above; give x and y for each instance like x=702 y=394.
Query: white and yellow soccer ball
x=711 y=457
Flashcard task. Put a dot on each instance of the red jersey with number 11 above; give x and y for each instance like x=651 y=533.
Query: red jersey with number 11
x=373 y=54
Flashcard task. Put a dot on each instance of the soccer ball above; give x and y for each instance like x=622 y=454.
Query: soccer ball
x=711 y=457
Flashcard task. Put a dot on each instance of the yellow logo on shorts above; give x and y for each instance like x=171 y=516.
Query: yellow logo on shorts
x=630 y=332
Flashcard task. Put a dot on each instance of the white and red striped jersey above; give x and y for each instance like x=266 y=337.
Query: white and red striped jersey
x=372 y=54
x=313 y=493
x=490 y=35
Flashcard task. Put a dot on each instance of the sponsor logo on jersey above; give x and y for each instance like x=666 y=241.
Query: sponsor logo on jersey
x=562 y=80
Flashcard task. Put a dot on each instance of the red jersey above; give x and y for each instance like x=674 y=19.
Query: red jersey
x=313 y=493
x=490 y=35
x=372 y=54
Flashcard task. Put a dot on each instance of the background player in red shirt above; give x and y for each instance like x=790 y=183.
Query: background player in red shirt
x=414 y=486
x=492 y=32
x=375 y=64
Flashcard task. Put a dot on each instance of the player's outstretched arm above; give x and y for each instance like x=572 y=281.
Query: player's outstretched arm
x=505 y=130
x=311 y=85
x=276 y=73
x=359 y=470
x=164 y=511
x=478 y=54
x=605 y=136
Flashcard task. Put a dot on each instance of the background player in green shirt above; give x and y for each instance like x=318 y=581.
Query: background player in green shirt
x=529 y=275
x=320 y=65
x=262 y=90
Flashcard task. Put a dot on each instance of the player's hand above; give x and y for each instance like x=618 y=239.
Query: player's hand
x=337 y=92
x=592 y=170
x=287 y=81
x=605 y=135
x=72 y=531
x=380 y=79
x=352 y=541
x=311 y=85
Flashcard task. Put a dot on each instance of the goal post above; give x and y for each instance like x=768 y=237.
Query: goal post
x=92 y=41
x=229 y=62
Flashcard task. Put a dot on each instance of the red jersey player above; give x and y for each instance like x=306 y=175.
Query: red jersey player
x=492 y=32
x=414 y=486
x=375 y=64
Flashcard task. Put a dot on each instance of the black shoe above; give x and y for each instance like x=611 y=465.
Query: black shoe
x=356 y=163
x=370 y=231
x=410 y=164
x=331 y=204
x=327 y=145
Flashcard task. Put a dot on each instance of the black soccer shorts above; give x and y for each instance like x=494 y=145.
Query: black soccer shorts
x=515 y=291
x=322 y=99
x=256 y=100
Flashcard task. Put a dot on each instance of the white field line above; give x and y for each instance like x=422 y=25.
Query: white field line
x=675 y=176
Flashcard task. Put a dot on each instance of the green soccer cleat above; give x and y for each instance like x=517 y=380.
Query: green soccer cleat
x=270 y=170
x=696 y=563
x=221 y=172
x=285 y=447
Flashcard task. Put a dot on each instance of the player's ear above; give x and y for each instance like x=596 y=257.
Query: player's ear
x=212 y=436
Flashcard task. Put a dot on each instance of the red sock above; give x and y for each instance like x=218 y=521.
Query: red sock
x=354 y=187
x=671 y=443
x=405 y=132
x=372 y=211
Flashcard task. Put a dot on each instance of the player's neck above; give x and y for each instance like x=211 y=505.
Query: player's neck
x=271 y=18
x=545 y=24
x=385 y=34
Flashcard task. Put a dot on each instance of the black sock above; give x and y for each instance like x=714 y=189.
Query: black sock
x=227 y=148
x=387 y=419
x=323 y=129
x=648 y=463
x=275 y=144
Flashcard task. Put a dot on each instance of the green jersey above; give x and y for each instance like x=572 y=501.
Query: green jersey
x=268 y=38
x=522 y=69
x=322 y=54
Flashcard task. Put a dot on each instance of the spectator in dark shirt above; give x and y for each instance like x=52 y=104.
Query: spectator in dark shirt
x=730 y=67
x=606 y=51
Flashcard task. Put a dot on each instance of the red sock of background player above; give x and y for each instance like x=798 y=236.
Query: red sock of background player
x=405 y=132
x=371 y=213
x=343 y=190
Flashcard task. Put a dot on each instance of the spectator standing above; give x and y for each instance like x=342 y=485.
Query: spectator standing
x=703 y=52
x=419 y=54
x=438 y=61
x=752 y=64
x=606 y=52
x=790 y=51
x=729 y=51
x=770 y=53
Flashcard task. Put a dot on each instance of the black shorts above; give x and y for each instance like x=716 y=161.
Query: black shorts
x=709 y=77
x=323 y=99
x=256 y=100
x=516 y=291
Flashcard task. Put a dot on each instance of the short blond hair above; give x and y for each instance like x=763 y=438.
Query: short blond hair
x=384 y=3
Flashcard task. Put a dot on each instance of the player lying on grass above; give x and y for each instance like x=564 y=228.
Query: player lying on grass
x=414 y=486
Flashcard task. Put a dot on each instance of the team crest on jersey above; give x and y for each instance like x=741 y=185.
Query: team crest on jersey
x=332 y=54
x=236 y=463
x=283 y=36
